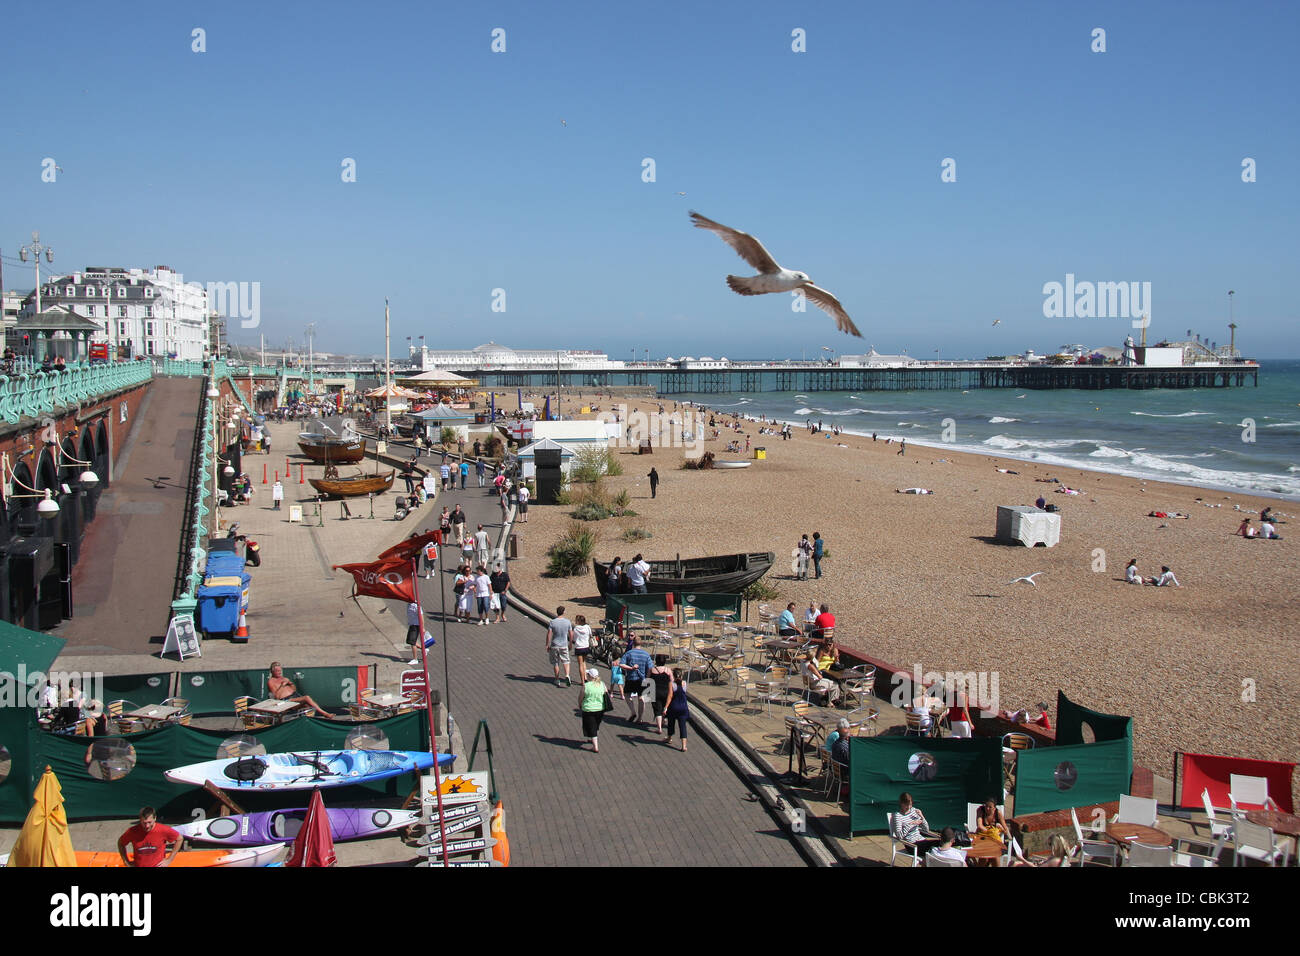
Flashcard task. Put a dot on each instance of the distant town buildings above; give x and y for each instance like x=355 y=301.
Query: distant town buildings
x=137 y=312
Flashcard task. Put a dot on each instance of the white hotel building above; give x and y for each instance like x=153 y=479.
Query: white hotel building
x=138 y=312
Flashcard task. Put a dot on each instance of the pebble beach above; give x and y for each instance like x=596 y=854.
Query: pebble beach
x=919 y=579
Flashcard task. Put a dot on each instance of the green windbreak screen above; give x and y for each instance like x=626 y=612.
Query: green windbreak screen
x=706 y=604
x=116 y=776
x=643 y=604
x=1054 y=778
x=942 y=775
x=18 y=773
x=1071 y=718
x=140 y=689
x=214 y=692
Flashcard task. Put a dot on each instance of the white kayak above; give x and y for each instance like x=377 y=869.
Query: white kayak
x=731 y=464
x=305 y=770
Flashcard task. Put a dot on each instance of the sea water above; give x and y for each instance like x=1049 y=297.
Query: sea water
x=1242 y=438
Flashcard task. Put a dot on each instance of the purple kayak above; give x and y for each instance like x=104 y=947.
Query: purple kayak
x=276 y=826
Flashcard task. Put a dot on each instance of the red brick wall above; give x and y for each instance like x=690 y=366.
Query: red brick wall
x=23 y=442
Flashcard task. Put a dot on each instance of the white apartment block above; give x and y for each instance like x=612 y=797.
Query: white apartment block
x=138 y=312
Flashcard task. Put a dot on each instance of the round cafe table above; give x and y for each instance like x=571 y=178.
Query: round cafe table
x=984 y=847
x=1128 y=833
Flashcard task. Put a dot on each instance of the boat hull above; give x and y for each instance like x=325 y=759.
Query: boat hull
x=297 y=771
x=334 y=452
x=253 y=829
x=723 y=574
x=351 y=487
x=249 y=856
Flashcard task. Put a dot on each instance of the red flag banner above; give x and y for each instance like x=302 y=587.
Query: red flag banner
x=382 y=579
x=412 y=546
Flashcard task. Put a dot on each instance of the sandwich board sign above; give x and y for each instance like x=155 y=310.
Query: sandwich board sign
x=182 y=637
x=295 y=514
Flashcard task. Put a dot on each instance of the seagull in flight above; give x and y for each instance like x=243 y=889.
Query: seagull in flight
x=1029 y=578
x=997 y=322
x=772 y=277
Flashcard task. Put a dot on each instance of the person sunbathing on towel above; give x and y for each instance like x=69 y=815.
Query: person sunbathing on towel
x=913 y=491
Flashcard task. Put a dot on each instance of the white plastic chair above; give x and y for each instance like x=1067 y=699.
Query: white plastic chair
x=1255 y=842
x=1250 y=790
x=1093 y=850
x=1221 y=832
x=941 y=861
x=1139 y=810
x=1144 y=854
x=895 y=843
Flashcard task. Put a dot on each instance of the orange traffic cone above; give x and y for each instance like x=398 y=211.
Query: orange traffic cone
x=501 y=851
x=241 y=633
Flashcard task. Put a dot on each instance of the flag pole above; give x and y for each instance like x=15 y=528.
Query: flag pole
x=428 y=700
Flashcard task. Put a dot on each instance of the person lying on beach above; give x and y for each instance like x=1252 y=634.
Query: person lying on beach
x=1066 y=490
x=1008 y=471
x=1167 y=514
x=1165 y=580
x=913 y=491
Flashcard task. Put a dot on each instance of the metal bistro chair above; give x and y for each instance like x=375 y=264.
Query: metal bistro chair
x=246 y=720
x=124 y=725
x=773 y=686
x=859 y=684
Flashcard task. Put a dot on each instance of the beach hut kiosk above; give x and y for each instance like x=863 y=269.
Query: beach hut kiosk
x=441 y=416
x=528 y=457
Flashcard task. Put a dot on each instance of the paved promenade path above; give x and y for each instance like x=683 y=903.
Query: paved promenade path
x=636 y=803
x=122 y=585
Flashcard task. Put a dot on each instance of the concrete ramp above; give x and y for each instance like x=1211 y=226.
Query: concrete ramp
x=122 y=585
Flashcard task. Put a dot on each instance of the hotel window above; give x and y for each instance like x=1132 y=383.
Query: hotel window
x=148 y=347
x=71 y=291
x=148 y=292
x=121 y=312
x=121 y=292
x=121 y=330
x=148 y=312
x=148 y=326
x=90 y=310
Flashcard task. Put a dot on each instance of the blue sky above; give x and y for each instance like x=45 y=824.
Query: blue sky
x=1115 y=166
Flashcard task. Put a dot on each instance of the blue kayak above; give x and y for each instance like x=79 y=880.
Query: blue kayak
x=304 y=770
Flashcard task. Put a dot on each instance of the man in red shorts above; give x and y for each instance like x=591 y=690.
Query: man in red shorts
x=150 y=839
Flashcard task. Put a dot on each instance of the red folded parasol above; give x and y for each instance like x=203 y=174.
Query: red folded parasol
x=314 y=844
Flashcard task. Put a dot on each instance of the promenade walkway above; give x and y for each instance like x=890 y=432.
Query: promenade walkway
x=636 y=803
x=122 y=585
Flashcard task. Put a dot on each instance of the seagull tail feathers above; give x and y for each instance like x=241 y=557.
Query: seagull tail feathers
x=742 y=285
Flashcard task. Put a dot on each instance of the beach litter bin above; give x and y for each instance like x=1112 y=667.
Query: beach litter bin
x=760 y=453
x=220 y=600
x=514 y=546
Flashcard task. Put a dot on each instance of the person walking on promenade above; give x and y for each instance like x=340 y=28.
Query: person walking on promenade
x=464 y=474
x=408 y=475
x=444 y=473
x=818 y=550
x=500 y=586
x=483 y=546
x=677 y=710
x=414 y=631
x=654 y=482
x=458 y=523
x=557 y=645
x=581 y=640
x=638 y=572
x=592 y=705
x=463 y=588
x=804 y=556
x=277 y=495
x=444 y=525
x=483 y=593
x=430 y=558
x=636 y=664
x=480 y=468
x=662 y=677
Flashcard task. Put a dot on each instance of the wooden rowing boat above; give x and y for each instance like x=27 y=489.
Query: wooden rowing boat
x=334 y=451
x=720 y=574
x=354 y=485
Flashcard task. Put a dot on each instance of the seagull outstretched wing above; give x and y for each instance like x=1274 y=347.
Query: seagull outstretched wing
x=746 y=246
x=831 y=306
